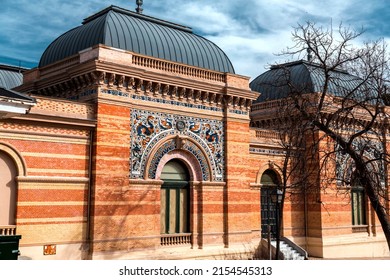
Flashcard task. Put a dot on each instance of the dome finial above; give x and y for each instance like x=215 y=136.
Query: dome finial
x=139 y=6
x=309 y=56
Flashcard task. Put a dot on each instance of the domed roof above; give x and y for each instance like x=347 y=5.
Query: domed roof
x=10 y=76
x=302 y=77
x=126 y=30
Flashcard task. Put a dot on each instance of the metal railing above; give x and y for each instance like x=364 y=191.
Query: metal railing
x=297 y=248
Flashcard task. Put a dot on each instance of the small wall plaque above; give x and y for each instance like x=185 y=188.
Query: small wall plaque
x=49 y=249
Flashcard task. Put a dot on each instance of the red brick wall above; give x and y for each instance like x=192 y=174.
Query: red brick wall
x=239 y=198
x=52 y=197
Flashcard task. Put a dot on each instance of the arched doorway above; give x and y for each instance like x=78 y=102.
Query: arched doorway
x=8 y=173
x=269 y=182
x=175 y=198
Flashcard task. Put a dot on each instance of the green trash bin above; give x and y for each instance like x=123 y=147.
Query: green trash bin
x=9 y=247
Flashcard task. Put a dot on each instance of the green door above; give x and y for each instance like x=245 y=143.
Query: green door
x=175 y=198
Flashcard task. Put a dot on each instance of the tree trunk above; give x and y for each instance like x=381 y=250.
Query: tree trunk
x=369 y=187
x=374 y=199
x=367 y=182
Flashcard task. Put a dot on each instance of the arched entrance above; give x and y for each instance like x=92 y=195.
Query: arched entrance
x=269 y=182
x=175 y=198
x=8 y=172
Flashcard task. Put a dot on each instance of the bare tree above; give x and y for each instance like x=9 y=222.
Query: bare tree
x=298 y=177
x=299 y=171
x=349 y=109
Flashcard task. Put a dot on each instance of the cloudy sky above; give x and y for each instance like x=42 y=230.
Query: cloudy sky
x=250 y=32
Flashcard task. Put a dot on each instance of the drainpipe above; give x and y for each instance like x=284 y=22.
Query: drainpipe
x=305 y=217
x=305 y=207
x=89 y=199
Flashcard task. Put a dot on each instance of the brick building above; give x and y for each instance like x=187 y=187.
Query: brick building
x=139 y=141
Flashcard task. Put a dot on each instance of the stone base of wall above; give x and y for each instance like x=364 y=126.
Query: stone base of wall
x=236 y=251
x=243 y=251
x=75 y=251
x=348 y=246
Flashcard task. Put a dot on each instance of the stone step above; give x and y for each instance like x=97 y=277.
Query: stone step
x=289 y=252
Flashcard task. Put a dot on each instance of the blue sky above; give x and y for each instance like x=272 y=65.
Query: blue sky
x=250 y=32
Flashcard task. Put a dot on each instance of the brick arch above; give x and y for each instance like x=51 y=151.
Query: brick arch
x=183 y=148
x=274 y=167
x=12 y=165
x=16 y=157
x=189 y=161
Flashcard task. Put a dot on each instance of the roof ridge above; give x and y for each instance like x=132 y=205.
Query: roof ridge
x=137 y=15
x=307 y=63
x=13 y=68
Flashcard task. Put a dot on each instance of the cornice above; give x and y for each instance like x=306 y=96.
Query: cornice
x=44 y=118
x=81 y=77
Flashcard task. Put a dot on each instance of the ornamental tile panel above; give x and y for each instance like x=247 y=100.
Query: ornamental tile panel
x=149 y=128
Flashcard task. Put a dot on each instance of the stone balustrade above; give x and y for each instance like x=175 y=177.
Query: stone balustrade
x=176 y=239
x=7 y=230
x=167 y=66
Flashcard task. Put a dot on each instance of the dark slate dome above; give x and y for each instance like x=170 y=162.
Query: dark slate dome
x=302 y=77
x=126 y=30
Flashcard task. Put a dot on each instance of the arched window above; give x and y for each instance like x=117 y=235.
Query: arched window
x=7 y=190
x=269 y=182
x=175 y=198
x=358 y=202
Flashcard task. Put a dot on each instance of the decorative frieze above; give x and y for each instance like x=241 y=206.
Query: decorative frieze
x=85 y=85
x=266 y=151
x=34 y=129
x=85 y=111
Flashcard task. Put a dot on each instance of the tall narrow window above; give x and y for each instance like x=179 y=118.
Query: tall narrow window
x=358 y=203
x=175 y=198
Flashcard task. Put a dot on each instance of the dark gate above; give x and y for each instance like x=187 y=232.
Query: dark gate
x=268 y=212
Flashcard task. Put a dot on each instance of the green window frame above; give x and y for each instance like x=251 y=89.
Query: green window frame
x=358 y=203
x=358 y=207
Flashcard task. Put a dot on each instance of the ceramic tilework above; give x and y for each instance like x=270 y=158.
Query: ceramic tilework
x=148 y=128
x=170 y=146
x=172 y=102
x=115 y=92
x=265 y=151
x=239 y=112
